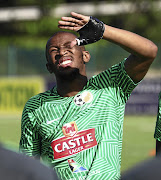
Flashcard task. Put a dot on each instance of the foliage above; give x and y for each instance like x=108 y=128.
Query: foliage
x=144 y=21
x=13 y=3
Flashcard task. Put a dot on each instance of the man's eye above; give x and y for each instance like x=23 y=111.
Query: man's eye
x=68 y=46
x=53 y=50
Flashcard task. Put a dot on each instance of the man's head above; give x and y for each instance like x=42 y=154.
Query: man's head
x=62 y=59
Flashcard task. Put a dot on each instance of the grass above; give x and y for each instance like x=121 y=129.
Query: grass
x=10 y=131
x=138 y=141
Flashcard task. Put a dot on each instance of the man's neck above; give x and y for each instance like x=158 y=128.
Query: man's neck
x=68 y=88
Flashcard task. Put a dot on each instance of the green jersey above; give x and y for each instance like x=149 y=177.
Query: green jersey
x=80 y=136
x=157 y=134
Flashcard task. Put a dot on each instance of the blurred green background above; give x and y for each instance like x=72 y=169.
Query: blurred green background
x=26 y=26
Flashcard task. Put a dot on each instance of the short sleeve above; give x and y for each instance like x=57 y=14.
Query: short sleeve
x=157 y=134
x=30 y=141
x=117 y=79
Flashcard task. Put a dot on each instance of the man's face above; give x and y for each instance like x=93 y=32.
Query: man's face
x=62 y=59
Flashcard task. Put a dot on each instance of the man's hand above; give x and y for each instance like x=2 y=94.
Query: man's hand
x=90 y=29
x=74 y=23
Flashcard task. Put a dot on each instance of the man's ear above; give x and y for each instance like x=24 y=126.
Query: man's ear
x=48 y=66
x=86 y=56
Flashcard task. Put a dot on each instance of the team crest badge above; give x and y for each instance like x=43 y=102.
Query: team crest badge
x=75 y=167
x=70 y=129
x=81 y=99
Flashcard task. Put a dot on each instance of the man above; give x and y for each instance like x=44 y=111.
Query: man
x=157 y=134
x=14 y=166
x=77 y=125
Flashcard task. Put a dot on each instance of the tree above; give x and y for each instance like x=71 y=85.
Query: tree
x=143 y=18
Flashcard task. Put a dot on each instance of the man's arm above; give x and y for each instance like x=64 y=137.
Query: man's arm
x=142 y=50
x=30 y=141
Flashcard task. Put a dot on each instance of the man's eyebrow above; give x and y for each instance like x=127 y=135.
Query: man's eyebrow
x=52 y=46
x=68 y=42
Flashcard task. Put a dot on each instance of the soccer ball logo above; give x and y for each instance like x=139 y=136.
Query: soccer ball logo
x=78 y=100
x=81 y=99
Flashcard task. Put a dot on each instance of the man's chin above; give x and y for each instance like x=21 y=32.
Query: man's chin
x=68 y=73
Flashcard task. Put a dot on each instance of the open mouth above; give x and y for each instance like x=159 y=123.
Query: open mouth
x=65 y=61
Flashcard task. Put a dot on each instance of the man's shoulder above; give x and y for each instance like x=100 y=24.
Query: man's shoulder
x=111 y=73
x=40 y=96
x=36 y=100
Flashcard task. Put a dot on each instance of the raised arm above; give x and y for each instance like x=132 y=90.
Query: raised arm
x=142 y=51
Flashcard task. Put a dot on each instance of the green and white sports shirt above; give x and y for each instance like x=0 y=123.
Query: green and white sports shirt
x=80 y=136
x=157 y=134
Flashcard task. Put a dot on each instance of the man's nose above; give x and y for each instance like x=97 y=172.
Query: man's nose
x=62 y=51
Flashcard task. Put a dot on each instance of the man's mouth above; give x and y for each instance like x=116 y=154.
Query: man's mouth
x=65 y=61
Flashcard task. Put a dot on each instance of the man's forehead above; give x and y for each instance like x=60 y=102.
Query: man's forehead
x=61 y=37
